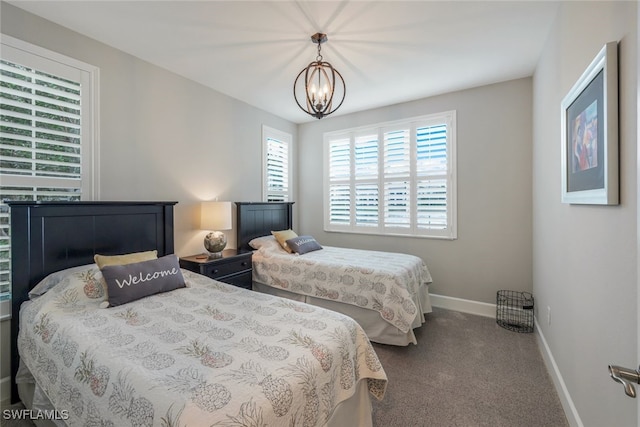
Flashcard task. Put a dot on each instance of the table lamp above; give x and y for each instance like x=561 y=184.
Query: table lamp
x=215 y=216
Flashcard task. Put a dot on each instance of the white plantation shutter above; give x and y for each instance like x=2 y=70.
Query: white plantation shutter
x=277 y=170
x=366 y=203
x=340 y=155
x=340 y=206
x=46 y=134
x=40 y=127
x=397 y=204
x=431 y=204
x=365 y=157
x=397 y=172
x=339 y=152
x=431 y=144
x=277 y=165
x=366 y=153
x=397 y=153
x=393 y=178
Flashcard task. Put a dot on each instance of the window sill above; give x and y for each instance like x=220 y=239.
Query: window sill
x=391 y=234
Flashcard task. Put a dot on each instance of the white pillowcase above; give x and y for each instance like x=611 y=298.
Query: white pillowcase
x=268 y=243
x=54 y=278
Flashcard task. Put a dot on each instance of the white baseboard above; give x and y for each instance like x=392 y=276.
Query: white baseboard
x=5 y=392
x=570 y=410
x=463 y=305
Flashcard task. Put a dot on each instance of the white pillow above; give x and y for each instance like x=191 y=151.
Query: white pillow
x=54 y=278
x=266 y=243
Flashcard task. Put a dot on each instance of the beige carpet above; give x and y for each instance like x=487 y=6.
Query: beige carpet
x=467 y=371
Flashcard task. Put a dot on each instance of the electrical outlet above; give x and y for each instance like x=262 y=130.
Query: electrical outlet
x=548 y=315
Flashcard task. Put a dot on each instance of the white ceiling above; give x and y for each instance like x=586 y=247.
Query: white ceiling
x=387 y=51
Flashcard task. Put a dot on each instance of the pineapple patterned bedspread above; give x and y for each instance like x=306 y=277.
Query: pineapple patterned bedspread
x=386 y=282
x=207 y=355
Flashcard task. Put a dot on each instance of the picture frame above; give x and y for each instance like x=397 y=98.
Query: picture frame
x=589 y=118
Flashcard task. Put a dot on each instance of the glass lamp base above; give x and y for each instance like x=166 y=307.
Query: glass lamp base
x=214 y=243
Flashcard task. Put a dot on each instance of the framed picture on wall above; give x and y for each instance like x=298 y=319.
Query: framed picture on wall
x=590 y=133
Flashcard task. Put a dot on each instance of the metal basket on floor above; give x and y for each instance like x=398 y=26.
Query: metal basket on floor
x=514 y=310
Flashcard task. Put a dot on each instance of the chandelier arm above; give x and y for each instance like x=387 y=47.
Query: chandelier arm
x=307 y=90
x=344 y=93
x=295 y=83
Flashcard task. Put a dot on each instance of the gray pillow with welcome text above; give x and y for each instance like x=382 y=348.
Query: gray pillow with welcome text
x=130 y=282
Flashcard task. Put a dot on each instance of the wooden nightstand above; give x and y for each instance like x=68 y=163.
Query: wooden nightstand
x=233 y=268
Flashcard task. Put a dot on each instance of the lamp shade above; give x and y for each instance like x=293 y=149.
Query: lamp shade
x=215 y=216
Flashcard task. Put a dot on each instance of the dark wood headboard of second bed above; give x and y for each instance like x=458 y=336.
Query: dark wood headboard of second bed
x=255 y=219
x=50 y=236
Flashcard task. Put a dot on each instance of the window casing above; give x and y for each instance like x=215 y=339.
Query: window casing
x=48 y=135
x=276 y=149
x=395 y=178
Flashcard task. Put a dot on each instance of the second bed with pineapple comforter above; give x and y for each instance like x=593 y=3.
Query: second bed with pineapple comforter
x=208 y=354
x=394 y=285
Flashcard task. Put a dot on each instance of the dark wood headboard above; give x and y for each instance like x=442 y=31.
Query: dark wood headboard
x=255 y=219
x=51 y=236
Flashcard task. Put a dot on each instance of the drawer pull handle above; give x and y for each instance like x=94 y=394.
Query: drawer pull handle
x=244 y=263
x=215 y=271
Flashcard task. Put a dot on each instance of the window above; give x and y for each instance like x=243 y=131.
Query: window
x=395 y=178
x=276 y=150
x=47 y=137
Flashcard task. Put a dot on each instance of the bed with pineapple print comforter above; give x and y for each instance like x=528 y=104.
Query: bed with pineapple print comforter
x=393 y=284
x=210 y=354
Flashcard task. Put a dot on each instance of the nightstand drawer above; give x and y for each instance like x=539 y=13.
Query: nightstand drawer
x=242 y=280
x=232 y=267
x=220 y=270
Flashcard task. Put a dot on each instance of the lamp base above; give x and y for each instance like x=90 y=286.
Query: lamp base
x=214 y=243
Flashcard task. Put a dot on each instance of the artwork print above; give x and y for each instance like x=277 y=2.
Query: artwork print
x=590 y=134
x=585 y=139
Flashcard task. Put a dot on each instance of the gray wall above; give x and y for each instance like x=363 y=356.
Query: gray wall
x=584 y=257
x=493 y=249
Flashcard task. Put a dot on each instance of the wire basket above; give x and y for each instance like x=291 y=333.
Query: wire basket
x=514 y=310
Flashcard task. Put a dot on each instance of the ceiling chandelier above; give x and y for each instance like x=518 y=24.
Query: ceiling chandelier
x=321 y=83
